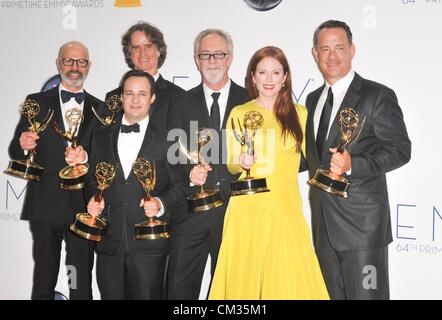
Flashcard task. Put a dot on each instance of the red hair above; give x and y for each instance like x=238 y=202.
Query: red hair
x=283 y=109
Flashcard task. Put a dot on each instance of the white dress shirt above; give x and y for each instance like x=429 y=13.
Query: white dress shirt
x=156 y=76
x=72 y=103
x=222 y=102
x=339 y=89
x=129 y=145
x=222 y=99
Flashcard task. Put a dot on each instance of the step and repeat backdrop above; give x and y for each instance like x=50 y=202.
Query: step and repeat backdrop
x=397 y=42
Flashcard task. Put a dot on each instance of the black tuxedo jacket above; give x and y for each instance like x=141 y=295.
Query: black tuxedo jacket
x=361 y=221
x=165 y=91
x=45 y=200
x=192 y=107
x=123 y=197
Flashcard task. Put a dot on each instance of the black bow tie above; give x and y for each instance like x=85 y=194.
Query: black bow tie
x=132 y=128
x=66 y=96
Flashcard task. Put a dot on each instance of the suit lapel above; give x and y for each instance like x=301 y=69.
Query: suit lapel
x=199 y=107
x=160 y=86
x=231 y=102
x=148 y=140
x=87 y=117
x=198 y=103
x=351 y=99
x=54 y=103
x=115 y=131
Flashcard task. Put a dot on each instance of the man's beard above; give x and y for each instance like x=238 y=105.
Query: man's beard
x=213 y=78
x=73 y=83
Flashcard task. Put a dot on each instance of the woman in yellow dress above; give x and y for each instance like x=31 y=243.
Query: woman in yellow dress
x=266 y=251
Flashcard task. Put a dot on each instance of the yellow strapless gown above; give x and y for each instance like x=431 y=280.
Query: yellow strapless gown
x=266 y=251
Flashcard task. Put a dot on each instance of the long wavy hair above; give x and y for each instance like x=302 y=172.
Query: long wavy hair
x=152 y=33
x=283 y=109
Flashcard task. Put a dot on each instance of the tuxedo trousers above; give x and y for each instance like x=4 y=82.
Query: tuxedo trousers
x=47 y=239
x=130 y=276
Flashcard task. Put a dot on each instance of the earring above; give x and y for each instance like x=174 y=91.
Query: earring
x=283 y=85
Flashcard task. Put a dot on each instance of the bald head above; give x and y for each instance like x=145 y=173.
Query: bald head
x=76 y=45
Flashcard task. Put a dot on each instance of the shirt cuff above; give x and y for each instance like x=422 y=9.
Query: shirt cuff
x=87 y=157
x=191 y=184
x=161 y=212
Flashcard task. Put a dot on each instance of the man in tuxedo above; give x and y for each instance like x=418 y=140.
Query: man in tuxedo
x=195 y=235
x=47 y=207
x=351 y=235
x=144 y=49
x=128 y=268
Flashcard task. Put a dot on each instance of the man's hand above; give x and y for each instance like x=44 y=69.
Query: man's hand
x=151 y=207
x=28 y=140
x=95 y=208
x=75 y=156
x=340 y=162
x=198 y=175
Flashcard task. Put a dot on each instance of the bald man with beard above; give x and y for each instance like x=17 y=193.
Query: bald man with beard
x=49 y=209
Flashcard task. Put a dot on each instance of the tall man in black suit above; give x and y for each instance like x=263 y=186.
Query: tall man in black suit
x=351 y=235
x=144 y=49
x=195 y=235
x=48 y=208
x=128 y=268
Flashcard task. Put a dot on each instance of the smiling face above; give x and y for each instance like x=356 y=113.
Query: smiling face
x=144 y=53
x=269 y=77
x=70 y=64
x=136 y=99
x=214 y=71
x=333 y=54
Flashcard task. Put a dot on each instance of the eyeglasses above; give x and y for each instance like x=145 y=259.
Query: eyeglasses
x=216 y=56
x=81 y=63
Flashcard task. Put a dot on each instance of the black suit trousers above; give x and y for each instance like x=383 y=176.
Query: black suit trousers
x=129 y=276
x=191 y=243
x=353 y=275
x=47 y=239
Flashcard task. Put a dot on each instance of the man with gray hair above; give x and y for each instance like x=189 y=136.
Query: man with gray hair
x=196 y=235
x=49 y=209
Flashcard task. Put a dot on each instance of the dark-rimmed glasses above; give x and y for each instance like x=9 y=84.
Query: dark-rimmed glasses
x=81 y=63
x=216 y=56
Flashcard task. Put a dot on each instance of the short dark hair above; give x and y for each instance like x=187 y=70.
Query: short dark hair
x=151 y=32
x=141 y=74
x=329 y=24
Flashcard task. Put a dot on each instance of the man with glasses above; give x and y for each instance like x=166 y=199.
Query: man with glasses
x=144 y=49
x=49 y=209
x=196 y=235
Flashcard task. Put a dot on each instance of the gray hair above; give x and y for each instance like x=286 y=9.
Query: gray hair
x=204 y=33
